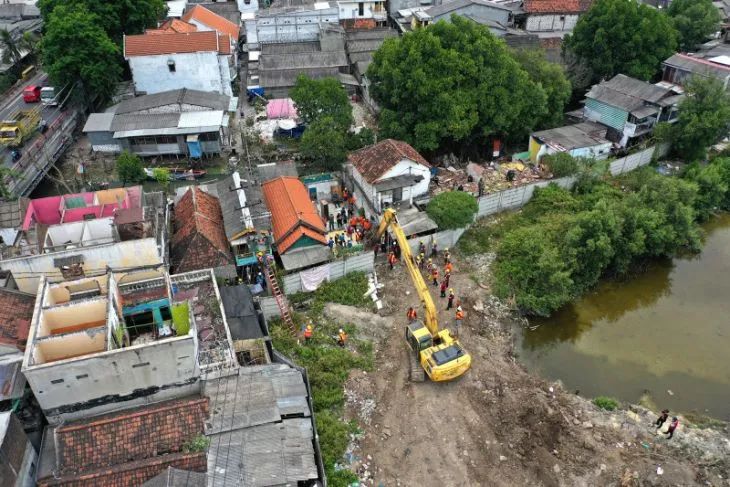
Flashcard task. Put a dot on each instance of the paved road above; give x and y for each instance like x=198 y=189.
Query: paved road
x=13 y=102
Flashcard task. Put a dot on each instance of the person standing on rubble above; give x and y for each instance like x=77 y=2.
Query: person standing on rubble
x=459 y=319
x=341 y=338
x=435 y=275
x=444 y=285
x=450 y=303
x=662 y=418
x=392 y=260
x=672 y=427
x=411 y=314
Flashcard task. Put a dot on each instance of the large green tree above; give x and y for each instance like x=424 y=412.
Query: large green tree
x=322 y=98
x=704 y=118
x=129 y=168
x=323 y=143
x=622 y=36
x=695 y=21
x=117 y=17
x=452 y=83
x=76 y=49
x=552 y=78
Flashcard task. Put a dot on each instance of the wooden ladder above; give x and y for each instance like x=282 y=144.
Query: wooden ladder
x=281 y=300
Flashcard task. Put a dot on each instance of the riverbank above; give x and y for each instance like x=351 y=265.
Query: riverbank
x=499 y=424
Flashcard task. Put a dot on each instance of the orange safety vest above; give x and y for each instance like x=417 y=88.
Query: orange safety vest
x=449 y=267
x=411 y=314
x=459 y=315
x=392 y=259
x=435 y=274
x=307 y=333
x=343 y=337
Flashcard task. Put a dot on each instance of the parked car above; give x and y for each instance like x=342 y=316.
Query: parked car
x=32 y=94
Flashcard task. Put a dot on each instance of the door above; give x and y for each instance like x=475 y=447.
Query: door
x=397 y=194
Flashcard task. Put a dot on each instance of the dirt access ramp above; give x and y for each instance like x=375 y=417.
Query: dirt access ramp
x=498 y=425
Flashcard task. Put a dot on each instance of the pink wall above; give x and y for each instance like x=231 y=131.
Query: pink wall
x=48 y=211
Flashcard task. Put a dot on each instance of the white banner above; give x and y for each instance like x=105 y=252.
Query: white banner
x=312 y=278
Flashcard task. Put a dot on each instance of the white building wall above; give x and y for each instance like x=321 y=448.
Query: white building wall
x=303 y=25
x=132 y=253
x=550 y=22
x=411 y=168
x=197 y=71
x=245 y=6
x=113 y=373
x=351 y=10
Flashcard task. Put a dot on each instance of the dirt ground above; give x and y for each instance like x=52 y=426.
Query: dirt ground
x=498 y=425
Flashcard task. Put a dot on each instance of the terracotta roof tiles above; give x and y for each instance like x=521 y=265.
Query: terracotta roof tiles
x=172 y=26
x=212 y=20
x=556 y=6
x=292 y=213
x=16 y=312
x=375 y=160
x=176 y=43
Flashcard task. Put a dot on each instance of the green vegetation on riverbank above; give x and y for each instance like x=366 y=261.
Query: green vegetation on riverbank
x=563 y=242
x=328 y=365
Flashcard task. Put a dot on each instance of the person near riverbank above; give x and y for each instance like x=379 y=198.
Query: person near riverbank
x=662 y=418
x=672 y=426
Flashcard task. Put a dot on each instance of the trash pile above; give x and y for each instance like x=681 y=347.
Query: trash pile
x=495 y=177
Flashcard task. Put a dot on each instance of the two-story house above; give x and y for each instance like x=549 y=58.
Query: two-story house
x=200 y=60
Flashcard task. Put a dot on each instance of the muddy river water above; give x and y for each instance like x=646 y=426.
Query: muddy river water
x=665 y=330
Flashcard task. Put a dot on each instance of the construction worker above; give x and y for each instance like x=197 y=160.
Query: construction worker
x=447 y=256
x=447 y=277
x=411 y=314
x=672 y=426
x=451 y=299
x=429 y=266
x=435 y=276
x=308 y=332
x=435 y=250
x=341 y=338
x=392 y=260
x=444 y=285
x=421 y=247
x=422 y=261
x=662 y=419
x=459 y=319
x=419 y=261
x=449 y=267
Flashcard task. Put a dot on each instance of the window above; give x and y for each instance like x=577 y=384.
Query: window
x=89 y=216
x=82 y=376
x=208 y=137
x=171 y=65
x=247 y=2
x=72 y=271
x=361 y=9
x=143 y=364
x=57 y=381
x=562 y=18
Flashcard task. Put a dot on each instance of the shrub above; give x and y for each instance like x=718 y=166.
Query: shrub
x=561 y=164
x=129 y=168
x=453 y=209
x=199 y=443
x=606 y=403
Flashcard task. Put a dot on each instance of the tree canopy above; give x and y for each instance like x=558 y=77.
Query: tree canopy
x=452 y=83
x=452 y=209
x=695 y=21
x=704 y=117
x=552 y=78
x=620 y=36
x=116 y=17
x=129 y=168
x=320 y=98
x=75 y=48
x=324 y=144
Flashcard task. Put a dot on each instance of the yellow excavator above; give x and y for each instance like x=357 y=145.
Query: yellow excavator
x=435 y=352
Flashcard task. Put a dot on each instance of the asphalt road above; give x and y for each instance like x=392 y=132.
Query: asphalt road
x=13 y=102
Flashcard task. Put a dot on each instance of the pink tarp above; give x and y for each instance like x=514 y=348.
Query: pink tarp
x=281 y=108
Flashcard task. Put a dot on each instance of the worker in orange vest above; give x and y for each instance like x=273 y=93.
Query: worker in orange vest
x=449 y=267
x=392 y=260
x=341 y=338
x=411 y=315
x=308 y=333
x=435 y=276
x=459 y=319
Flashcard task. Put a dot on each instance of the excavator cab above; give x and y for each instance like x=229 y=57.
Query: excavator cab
x=440 y=356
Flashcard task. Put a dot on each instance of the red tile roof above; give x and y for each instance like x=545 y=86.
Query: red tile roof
x=172 y=26
x=556 y=6
x=374 y=161
x=176 y=43
x=212 y=20
x=199 y=241
x=129 y=436
x=16 y=312
x=292 y=213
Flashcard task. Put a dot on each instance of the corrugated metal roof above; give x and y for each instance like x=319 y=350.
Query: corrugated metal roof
x=183 y=96
x=699 y=66
x=585 y=134
x=304 y=60
x=200 y=119
x=305 y=257
x=128 y=122
x=99 y=122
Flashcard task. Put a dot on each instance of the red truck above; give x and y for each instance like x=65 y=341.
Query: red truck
x=32 y=94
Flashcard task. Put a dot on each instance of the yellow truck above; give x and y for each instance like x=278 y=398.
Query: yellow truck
x=434 y=352
x=13 y=133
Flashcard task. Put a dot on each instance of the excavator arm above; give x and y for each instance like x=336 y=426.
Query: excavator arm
x=391 y=221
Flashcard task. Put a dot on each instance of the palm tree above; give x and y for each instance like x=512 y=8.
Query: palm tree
x=9 y=46
x=29 y=43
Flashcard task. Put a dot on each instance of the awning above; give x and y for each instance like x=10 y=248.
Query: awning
x=644 y=112
x=305 y=257
x=402 y=181
x=68 y=261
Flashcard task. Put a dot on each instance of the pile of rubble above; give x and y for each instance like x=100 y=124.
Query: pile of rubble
x=495 y=177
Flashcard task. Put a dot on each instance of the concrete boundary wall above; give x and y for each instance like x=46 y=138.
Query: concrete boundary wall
x=364 y=262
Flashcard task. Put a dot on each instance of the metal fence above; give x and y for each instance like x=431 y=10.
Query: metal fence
x=363 y=262
x=511 y=199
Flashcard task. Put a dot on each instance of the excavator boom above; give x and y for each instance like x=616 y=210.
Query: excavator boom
x=390 y=220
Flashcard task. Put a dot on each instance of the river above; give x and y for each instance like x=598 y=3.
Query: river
x=667 y=329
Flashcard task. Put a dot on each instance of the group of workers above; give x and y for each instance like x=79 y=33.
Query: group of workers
x=309 y=332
